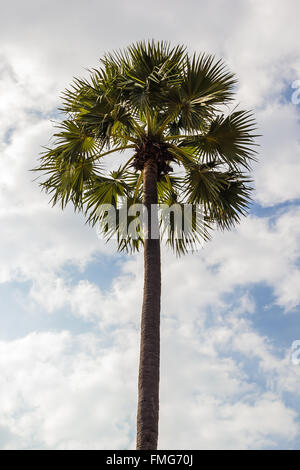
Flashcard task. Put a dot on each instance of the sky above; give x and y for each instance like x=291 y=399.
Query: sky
x=70 y=305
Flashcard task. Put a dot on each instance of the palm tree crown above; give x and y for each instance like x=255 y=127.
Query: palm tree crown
x=162 y=104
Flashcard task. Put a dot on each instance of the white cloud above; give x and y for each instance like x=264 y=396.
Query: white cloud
x=62 y=391
x=278 y=169
x=206 y=423
x=36 y=238
x=259 y=251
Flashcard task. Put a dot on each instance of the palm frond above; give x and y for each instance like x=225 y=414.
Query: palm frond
x=205 y=84
x=203 y=183
x=104 y=192
x=232 y=203
x=69 y=165
x=183 y=227
x=230 y=139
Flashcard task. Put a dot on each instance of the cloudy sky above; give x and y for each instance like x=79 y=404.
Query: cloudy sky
x=70 y=305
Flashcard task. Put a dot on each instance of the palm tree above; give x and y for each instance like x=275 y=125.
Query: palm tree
x=167 y=108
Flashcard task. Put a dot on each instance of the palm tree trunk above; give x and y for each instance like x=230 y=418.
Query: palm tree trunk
x=148 y=387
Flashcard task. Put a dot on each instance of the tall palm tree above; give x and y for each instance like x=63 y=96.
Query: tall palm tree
x=166 y=108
